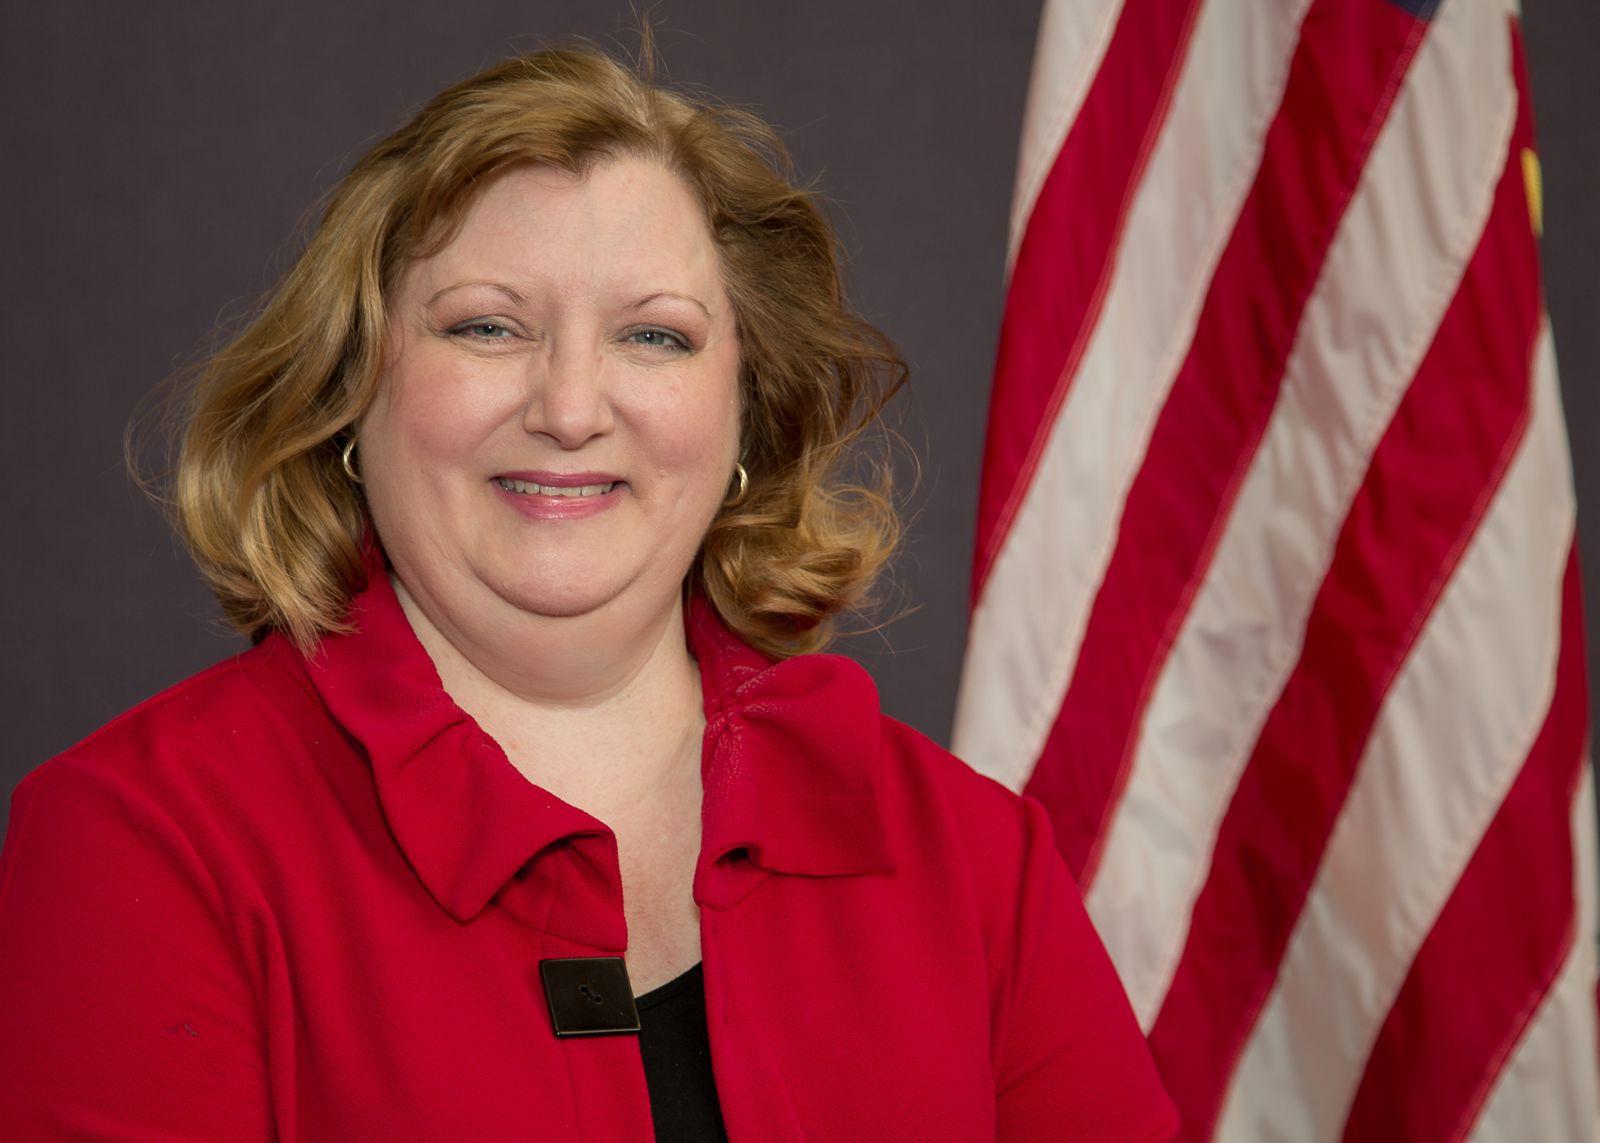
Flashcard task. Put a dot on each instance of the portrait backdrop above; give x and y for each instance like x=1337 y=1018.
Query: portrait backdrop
x=163 y=159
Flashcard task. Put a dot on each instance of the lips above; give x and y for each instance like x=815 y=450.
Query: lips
x=530 y=488
x=563 y=484
x=560 y=479
x=557 y=496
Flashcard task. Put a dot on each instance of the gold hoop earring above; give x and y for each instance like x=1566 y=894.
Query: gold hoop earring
x=344 y=456
x=744 y=486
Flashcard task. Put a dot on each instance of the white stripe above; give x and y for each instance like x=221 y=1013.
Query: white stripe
x=1549 y=1087
x=1386 y=283
x=1072 y=40
x=1455 y=729
x=1028 y=623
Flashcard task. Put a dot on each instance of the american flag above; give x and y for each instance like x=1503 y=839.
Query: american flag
x=1275 y=600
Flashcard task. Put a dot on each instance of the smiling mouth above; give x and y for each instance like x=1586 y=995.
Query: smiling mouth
x=528 y=488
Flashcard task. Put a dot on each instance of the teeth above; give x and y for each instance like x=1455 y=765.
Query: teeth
x=528 y=488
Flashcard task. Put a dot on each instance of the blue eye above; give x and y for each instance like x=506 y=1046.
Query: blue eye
x=658 y=338
x=481 y=330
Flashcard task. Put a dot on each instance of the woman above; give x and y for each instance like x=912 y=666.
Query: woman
x=527 y=816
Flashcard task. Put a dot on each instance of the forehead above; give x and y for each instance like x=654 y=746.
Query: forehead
x=626 y=224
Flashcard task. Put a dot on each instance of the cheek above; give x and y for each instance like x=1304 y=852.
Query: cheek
x=694 y=433
x=434 y=413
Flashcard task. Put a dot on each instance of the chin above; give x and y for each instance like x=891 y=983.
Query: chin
x=561 y=591
x=557 y=601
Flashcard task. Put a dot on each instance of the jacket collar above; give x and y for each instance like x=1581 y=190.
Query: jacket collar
x=790 y=762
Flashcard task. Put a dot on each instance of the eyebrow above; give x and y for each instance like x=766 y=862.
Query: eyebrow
x=516 y=296
x=646 y=300
x=520 y=299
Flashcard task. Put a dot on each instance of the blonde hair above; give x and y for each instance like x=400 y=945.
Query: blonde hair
x=260 y=495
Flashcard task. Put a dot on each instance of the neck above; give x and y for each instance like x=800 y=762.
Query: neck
x=599 y=708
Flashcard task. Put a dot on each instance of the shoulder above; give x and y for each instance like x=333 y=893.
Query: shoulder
x=912 y=755
x=203 y=714
x=1067 y=1050
x=200 y=752
x=122 y=914
x=943 y=812
x=990 y=845
x=993 y=826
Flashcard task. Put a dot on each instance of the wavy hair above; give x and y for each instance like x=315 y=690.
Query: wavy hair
x=260 y=497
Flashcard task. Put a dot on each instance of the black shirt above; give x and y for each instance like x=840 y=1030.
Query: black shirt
x=677 y=1061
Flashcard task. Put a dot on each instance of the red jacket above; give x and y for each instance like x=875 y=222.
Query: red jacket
x=307 y=900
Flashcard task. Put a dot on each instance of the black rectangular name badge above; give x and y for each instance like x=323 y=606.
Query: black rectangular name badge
x=589 y=995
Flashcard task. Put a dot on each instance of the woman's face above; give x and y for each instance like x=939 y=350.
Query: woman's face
x=560 y=418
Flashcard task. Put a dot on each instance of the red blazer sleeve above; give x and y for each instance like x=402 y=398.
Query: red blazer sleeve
x=125 y=1012
x=1072 y=1056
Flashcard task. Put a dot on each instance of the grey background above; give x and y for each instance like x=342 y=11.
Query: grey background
x=158 y=158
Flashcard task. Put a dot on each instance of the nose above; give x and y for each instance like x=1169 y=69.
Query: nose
x=567 y=399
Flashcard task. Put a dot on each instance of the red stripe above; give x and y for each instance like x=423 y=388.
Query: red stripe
x=1501 y=940
x=1064 y=258
x=1432 y=476
x=1498 y=945
x=1342 y=79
